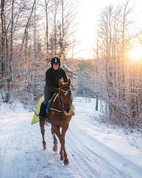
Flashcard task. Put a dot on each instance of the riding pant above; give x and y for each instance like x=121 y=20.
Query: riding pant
x=48 y=93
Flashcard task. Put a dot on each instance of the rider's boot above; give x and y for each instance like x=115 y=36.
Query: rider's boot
x=42 y=113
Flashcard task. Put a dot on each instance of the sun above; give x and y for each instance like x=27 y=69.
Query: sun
x=136 y=53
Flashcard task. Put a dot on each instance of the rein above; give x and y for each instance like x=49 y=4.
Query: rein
x=54 y=109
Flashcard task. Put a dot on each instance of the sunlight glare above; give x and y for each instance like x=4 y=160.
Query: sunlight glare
x=136 y=53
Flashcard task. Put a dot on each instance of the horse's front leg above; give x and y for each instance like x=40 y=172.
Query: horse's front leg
x=56 y=130
x=64 y=129
x=61 y=150
x=42 y=132
x=55 y=147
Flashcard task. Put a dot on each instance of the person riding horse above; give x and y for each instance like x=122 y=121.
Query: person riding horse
x=53 y=74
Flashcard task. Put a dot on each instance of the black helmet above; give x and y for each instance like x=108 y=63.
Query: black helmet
x=55 y=60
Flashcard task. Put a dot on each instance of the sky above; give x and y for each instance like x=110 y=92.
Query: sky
x=94 y=149
x=87 y=15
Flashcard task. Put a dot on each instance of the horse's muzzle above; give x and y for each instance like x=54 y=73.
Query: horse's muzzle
x=67 y=110
x=67 y=107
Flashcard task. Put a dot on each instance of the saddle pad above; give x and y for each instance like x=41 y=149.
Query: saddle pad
x=37 y=110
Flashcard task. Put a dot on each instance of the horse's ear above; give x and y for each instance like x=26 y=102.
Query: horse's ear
x=69 y=82
x=59 y=82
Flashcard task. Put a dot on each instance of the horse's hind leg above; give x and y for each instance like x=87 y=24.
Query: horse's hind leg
x=42 y=132
x=55 y=147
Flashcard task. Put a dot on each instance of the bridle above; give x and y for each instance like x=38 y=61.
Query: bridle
x=65 y=92
x=61 y=103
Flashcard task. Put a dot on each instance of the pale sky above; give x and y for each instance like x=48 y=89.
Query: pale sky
x=88 y=13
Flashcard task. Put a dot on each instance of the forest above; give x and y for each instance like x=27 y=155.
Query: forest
x=32 y=32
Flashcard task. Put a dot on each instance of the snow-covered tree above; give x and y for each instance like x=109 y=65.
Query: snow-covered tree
x=114 y=69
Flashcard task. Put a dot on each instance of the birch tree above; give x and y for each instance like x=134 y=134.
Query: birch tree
x=6 y=57
x=61 y=19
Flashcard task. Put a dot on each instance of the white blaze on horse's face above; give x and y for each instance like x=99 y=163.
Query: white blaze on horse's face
x=65 y=96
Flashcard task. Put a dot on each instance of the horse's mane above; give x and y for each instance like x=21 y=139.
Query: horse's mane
x=64 y=83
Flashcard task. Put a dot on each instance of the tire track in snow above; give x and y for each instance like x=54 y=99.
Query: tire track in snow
x=104 y=153
x=8 y=153
x=11 y=149
x=6 y=123
x=4 y=140
x=94 y=163
x=23 y=156
x=5 y=136
x=80 y=161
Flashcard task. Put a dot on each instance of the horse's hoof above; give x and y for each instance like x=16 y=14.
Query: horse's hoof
x=55 y=149
x=44 y=146
x=61 y=158
x=66 y=162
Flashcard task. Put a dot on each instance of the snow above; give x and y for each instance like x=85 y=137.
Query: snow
x=94 y=149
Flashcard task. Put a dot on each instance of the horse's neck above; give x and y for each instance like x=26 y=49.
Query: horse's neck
x=56 y=102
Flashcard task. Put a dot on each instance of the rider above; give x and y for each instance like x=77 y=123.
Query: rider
x=53 y=74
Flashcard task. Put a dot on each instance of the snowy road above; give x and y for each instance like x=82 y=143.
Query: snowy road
x=93 y=150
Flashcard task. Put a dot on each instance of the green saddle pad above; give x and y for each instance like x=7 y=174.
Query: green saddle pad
x=37 y=110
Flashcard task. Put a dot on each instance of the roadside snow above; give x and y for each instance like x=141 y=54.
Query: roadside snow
x=94 y=150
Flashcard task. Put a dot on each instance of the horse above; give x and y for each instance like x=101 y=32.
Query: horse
x=60 y=114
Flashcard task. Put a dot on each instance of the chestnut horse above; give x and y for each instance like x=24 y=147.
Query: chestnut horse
x=60 y=114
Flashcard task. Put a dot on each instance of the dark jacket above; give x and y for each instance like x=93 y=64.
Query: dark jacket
x=52 y=77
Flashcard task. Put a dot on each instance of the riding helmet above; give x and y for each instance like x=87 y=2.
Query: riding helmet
x=55 y=60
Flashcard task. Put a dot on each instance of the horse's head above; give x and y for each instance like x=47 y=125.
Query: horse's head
x=65 y=95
